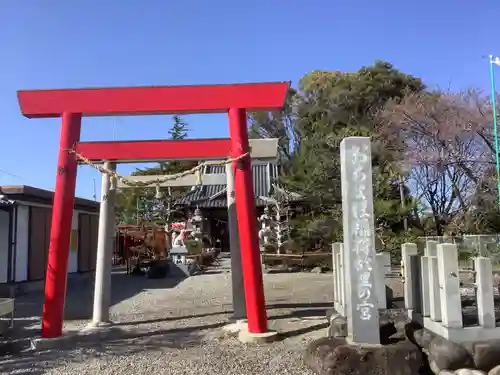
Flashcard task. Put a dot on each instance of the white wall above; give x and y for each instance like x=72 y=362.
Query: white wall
x=22 y=241
x=21 y=245
x=4 y=245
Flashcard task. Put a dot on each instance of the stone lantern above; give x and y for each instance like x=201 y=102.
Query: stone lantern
x=197 y=222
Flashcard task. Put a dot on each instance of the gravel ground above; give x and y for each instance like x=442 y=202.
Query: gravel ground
x=174 y=327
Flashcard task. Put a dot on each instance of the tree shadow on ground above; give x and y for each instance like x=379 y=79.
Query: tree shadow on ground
x=302 y=313
x=122 y=341
x=80 y=294
x=295 y=317
x=79 y=299
x=170 y=319
x=114 y=342
x=316 y=310
x=213 y=272
x=79 y=303
x=303 y=330
x=294 y=305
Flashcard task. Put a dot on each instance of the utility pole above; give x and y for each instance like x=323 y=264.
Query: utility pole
x=94 y=194
x=493 y=62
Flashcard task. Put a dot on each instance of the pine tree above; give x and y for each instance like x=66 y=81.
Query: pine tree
x=179 y=128
x=139 y=201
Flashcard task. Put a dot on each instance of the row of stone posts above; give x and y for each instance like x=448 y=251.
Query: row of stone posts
x=432 y=291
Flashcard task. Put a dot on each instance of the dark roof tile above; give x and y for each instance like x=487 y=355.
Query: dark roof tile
x=201 y=196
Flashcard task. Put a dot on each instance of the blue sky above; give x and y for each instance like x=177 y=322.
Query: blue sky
x=85 y=43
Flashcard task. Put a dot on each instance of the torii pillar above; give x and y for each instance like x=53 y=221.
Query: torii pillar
x=71 y=105
x=261 y=149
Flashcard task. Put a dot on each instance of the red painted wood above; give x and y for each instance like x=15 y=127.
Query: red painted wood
x=60 y=231
x=72 y=105
x=247 y=225
x=133 y=151
x=153 y=100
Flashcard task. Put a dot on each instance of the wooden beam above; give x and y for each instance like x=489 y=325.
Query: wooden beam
x=155 y=100
x=264 y=149
x=160 y=150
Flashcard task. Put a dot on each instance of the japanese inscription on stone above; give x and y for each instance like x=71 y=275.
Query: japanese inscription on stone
x=361 y=232
x=359 y=241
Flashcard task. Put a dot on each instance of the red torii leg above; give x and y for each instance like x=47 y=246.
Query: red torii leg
x=62 y=215
x=247 y=223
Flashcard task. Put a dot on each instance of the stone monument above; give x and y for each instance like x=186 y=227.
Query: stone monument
x=359 y=240
x=368 y=348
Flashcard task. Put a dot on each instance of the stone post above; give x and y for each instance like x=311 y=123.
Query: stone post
x=105 y=242
x=434 y=293
x=425 y=286
x=431 y=248
x=238 y=288
x=485 y=295
x=335 y=268
x=449 y=285
x=415 y=281
x=359 y=241
x=407 y=250
x=380 y=265
x=386 y=260
x=337 y=250
x=340 y=260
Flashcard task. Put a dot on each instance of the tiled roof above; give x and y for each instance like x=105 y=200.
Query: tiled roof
x=213 y=196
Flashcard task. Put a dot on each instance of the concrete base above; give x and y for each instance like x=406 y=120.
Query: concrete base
x=53 y=343
x=350 y=342
x=458 y=335
x=236 y=327
x=100 y=324
x=96 y=326
x=257 y=338
x=93 y=331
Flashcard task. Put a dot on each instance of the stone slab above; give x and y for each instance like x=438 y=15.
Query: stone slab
x=359 y=240
x=90 y=333
x=237 y=326
x=41 y=343
x=94 y=326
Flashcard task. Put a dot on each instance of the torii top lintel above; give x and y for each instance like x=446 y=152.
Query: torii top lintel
x=124 y=101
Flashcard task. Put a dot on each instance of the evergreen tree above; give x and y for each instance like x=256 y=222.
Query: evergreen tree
x=179 y=128
x=136 y=204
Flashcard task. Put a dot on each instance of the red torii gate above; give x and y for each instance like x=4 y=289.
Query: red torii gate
x=73 y=104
